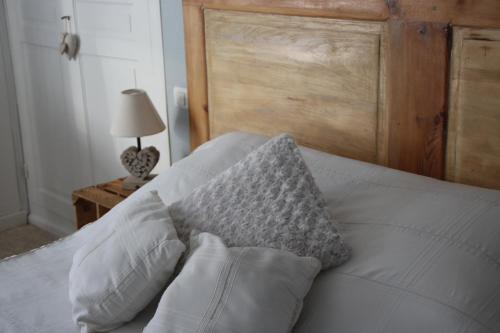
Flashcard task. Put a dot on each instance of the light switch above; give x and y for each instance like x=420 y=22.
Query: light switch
x=180 y=97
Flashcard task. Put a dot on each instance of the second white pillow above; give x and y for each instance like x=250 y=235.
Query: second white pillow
x=227 y=290
x=117 y=274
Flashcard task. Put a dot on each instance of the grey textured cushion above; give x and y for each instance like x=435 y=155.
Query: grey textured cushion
x=268 y=199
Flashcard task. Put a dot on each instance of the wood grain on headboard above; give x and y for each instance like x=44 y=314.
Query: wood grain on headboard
x=317 y=79
x=416 y=42
x=474 y=126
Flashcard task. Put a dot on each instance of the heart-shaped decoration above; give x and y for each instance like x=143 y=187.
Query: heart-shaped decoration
x=140 y=163
x=72 y=42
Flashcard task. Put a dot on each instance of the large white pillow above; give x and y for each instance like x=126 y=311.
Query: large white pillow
x=227 y=290
x=119 y=272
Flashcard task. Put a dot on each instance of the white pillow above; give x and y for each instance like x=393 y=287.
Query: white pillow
x=227 y=290
x=118 y=273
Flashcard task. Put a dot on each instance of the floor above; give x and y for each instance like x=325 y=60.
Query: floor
x=21 y=239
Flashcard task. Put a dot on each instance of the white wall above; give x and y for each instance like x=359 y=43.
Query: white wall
x=12 y=189
x=175 y=68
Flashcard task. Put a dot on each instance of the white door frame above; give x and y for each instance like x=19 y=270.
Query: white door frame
x=18 y=218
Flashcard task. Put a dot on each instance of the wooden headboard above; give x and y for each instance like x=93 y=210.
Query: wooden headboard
x=410 y=84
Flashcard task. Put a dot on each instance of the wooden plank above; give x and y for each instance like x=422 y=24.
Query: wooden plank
x=86 y=212
x=477 y=13
x=97 y=195
x=473 y=13
x=194 y=32
x=116 y=187
x=317 y=79
x=101 y=211
x=417 y=86
x=473 y=154
x=352 y=9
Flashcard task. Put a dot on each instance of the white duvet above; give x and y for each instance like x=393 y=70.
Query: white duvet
x=426 y=254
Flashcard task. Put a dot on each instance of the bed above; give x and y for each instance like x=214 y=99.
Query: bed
x=425 y=252
x=388 y=99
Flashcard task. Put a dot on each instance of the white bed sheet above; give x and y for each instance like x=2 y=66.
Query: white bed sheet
x=426 y=253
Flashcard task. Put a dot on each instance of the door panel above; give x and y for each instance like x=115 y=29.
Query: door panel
x=105 y=17
x=57 y=147
x=322 y=78
x=473 y=154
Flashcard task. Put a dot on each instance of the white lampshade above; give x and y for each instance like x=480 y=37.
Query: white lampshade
x=137 y=116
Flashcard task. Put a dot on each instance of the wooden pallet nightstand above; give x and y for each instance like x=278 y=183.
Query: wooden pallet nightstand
x=93 y=202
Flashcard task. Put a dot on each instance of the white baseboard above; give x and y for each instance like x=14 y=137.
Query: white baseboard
x=59 y=228
x=13 y=220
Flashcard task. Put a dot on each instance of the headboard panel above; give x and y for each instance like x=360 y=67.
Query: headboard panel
x=474 y=127
x=269 y=66
x=315 y=78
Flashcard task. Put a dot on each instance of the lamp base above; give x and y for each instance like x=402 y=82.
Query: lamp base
x=133 y=183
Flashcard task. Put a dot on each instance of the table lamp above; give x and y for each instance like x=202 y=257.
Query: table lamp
x=137 y=117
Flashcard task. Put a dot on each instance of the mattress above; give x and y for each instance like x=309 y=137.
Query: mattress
x=426 y=253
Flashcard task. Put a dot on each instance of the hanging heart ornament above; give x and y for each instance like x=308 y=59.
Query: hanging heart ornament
x=140 y=163
x=73 y=43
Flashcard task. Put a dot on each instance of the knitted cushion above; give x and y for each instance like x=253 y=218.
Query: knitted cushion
x=268 y=199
